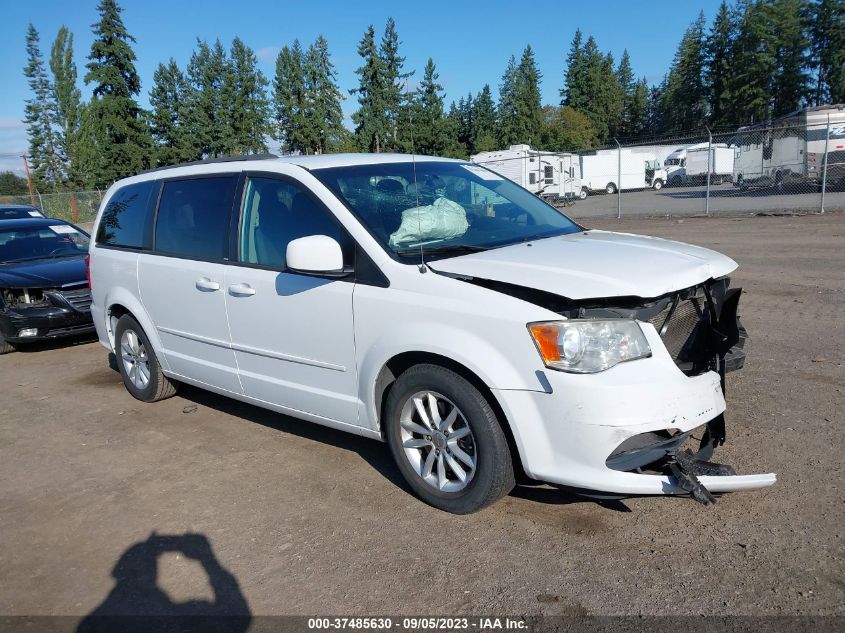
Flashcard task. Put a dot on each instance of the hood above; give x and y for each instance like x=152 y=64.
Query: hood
x=594 y=264
x=44 y=273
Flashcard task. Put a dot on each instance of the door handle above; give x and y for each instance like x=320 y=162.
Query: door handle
x=204 y=283
x=241 y=290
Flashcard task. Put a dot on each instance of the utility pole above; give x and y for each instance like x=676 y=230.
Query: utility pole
x=28 y=179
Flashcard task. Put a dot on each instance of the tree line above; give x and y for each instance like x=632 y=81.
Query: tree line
x=757 y=60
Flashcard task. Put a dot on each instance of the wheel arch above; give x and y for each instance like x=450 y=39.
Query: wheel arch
x=122 y=303
x=403 y=361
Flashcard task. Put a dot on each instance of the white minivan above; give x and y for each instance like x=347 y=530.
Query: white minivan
x=431 y=304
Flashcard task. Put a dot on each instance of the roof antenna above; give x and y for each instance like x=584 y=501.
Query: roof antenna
x=422 y=267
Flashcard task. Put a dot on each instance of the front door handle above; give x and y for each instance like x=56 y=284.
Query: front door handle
x=206 y=284
x=241 y=290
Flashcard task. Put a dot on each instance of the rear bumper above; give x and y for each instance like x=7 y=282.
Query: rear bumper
x=50 y=323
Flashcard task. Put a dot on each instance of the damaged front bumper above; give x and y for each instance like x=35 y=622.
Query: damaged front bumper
x=60 y=313
x=646 y=427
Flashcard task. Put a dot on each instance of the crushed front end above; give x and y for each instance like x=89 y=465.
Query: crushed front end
x=31 y=314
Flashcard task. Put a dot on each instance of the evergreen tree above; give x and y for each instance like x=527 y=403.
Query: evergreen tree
x=627 y=85
x=790 y=83
x=428 y=125
x=508 y=123
x=826 y=30
x=168 y=99
x=247 y=106
x=392 y=81
x=205 y=109
x=462 y=116
x=68 y=101
x=371 y=122
x=41 y=115
x=325 y=97
x=122 y=138
x=527 y=98
x=575 y=92
x=637 y=115
x=753 y=64
x=718 y=65
x=483 y=122
x=686 y=95
x=657 y=121
x=291 y=128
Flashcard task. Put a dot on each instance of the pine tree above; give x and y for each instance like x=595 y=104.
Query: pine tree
x=686 y=94
x=508 y=123
x=753 y=64
x=288 y=100
x=428 y=126
x=657 y=121
x=169 y=100
x=625 y=80
x=527 y=98
x=718 y=66
x=248 y=109
x=392 y=82
x=68 y=101
x=371 y=122
x=41 y=116
x=325 y=97
x=205 y=110
x=790 y=83
x=637 y=115
x=575 y=92
x=826 y=30
x=483 y=121
x=122 y=137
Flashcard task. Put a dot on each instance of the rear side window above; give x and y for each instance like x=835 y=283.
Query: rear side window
x=193 y=218
x=124 y=219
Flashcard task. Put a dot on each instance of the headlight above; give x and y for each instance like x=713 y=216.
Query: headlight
x=587 y=347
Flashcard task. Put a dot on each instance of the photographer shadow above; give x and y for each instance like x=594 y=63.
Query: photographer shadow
x=137 y=603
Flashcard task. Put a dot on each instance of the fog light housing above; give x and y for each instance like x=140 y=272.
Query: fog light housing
x=28 y=331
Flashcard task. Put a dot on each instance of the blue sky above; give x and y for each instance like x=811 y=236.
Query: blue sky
x=470 y=41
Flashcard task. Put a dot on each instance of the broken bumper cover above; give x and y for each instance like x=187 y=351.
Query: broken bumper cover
x=49 y=321
x=566 y=435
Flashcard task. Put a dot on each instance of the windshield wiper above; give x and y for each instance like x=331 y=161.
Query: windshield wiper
x=439 y=250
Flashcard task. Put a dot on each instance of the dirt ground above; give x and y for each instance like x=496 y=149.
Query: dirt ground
x=306 y=520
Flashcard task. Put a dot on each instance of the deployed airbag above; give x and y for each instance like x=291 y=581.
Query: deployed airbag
x=440 y=220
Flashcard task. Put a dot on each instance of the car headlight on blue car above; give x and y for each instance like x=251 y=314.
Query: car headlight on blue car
x=588 y=346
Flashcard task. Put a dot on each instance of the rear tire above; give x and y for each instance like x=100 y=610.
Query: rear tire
x=5 y=346
x=138 y=364
x=611 y=188
x=430 y=450
x=583 y=193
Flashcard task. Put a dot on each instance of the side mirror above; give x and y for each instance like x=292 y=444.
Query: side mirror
x=315 y=255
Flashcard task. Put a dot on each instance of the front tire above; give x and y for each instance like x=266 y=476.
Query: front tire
x=447 y=440
x=138 y=363
x=658 y=185
x=5 y=346
x=583 y=193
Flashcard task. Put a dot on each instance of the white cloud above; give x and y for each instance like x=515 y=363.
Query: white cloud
x=9 y=123
x=267 y=53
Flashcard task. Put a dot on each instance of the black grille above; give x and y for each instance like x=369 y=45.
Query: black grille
x=681 y=322
x=79 y=299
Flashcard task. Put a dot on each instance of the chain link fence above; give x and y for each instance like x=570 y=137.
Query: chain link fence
x=79 y=207
x=794 y=166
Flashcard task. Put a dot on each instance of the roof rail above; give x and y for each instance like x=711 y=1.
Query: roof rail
x=208 y=161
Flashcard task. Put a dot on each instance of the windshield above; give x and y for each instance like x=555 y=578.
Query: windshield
x=17 y=213
x=60 y=240
x=442 y=207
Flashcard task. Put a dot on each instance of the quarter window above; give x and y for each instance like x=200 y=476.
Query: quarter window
x=193 y=218
x=277 y=212
x=124 y=219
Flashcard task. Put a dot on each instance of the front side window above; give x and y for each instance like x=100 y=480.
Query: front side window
x=193 y=218
x=124 y=220
x=277 y=212
x=442 y=206
x=45 y=242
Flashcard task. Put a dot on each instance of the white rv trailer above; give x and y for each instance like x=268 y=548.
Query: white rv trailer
x=688 y=165
x=547 y=174
x=791 y=149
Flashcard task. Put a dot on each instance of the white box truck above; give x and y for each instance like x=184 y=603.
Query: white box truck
x=600 y=171
x=689 y=165
x=791 y=150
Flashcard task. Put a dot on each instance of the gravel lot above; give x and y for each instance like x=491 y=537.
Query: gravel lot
x=309 y=520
